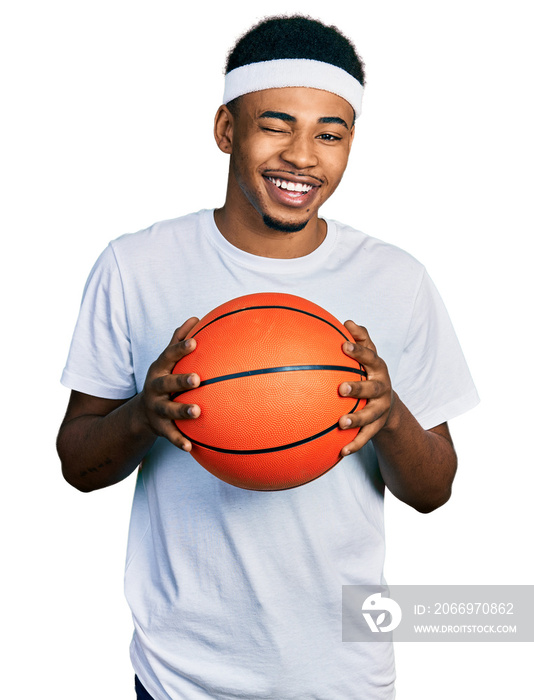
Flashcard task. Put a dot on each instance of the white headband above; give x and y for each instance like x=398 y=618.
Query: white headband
x=293 y=72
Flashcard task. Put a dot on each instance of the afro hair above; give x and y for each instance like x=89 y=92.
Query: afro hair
x=296 y=36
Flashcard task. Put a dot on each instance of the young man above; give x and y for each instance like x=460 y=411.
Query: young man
x=235 y=593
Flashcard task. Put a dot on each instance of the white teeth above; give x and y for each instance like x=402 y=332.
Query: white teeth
x=291 y=186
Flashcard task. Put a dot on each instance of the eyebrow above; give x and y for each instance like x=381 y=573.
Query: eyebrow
x=277 y=115
x=289 y=118
x=333 y=120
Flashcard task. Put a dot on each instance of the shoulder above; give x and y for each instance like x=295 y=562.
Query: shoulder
x=376 y=255
x=158 y=238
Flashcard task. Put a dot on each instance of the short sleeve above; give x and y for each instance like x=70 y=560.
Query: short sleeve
x=100 y=359
x=433 y=378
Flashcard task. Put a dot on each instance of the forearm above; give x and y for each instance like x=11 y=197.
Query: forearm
x=102 y=441
x=417 y=465
x=100 y=450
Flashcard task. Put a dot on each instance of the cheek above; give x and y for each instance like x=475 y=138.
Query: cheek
x=259 y=152
x=248 y=159
x=243 y=152
x=336 y=167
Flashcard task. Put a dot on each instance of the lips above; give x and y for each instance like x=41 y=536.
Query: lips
x=294 y=193
x=290 y=186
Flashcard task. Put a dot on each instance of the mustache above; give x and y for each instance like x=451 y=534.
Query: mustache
x=293 y=173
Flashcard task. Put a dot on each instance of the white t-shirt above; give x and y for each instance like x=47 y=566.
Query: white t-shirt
x=236 y=593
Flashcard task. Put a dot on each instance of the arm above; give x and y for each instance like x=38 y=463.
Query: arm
x=102 y=441
x=417 y=465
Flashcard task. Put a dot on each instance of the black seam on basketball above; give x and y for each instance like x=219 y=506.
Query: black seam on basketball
x=267 y=450
x=275 y=370
x=273 y=306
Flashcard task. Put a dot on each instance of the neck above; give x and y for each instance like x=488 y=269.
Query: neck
x=251 y=234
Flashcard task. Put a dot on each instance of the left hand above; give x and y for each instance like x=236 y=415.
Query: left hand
x=376 y=389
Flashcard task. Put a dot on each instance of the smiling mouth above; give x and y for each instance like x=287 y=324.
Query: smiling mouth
x=290 y=186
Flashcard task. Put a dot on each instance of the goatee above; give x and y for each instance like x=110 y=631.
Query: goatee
x=283 y=226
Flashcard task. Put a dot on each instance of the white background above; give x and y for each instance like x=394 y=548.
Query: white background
x=107 y=113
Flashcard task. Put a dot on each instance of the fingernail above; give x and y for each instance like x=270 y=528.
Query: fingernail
x=344 y=389
x=192 y=379
x=345 y=422
x=350 y=347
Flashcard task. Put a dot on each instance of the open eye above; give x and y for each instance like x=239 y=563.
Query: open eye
x=329 y=137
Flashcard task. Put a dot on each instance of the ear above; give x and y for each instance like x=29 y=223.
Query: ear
x=223 y=129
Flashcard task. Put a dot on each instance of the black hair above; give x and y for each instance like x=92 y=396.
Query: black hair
x=296 y=36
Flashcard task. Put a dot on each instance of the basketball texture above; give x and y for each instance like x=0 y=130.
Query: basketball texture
x=270 y=367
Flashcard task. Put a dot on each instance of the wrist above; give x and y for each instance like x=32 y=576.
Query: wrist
x=394 y=418
x=140 y=425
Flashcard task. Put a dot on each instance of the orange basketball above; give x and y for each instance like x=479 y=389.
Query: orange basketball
x=270 y=367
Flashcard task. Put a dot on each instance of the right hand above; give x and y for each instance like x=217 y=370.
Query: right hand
x=160 y=411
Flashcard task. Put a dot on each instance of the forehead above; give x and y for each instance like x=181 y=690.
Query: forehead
x=300 y=102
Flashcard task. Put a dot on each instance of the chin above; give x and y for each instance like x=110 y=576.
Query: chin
x=283 y=226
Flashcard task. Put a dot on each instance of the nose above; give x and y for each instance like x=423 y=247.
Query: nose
x=300 y=151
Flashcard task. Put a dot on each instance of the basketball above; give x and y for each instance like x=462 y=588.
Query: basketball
x=270 y=367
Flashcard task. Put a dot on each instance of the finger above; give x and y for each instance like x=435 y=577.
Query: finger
x=360 y=334
x=365 y=355
x=169 y=411
x=369 y=389
x=175 y=410
x=181 y=333
x=181 y=412
x=174 y=352
x=363 y=437
x=370 y=414
x=166 y=384
x=173 y=435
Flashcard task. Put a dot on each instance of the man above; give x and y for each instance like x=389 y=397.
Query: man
x=235 y=593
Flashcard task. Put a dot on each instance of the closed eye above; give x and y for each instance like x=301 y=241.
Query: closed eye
x=273 y=131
